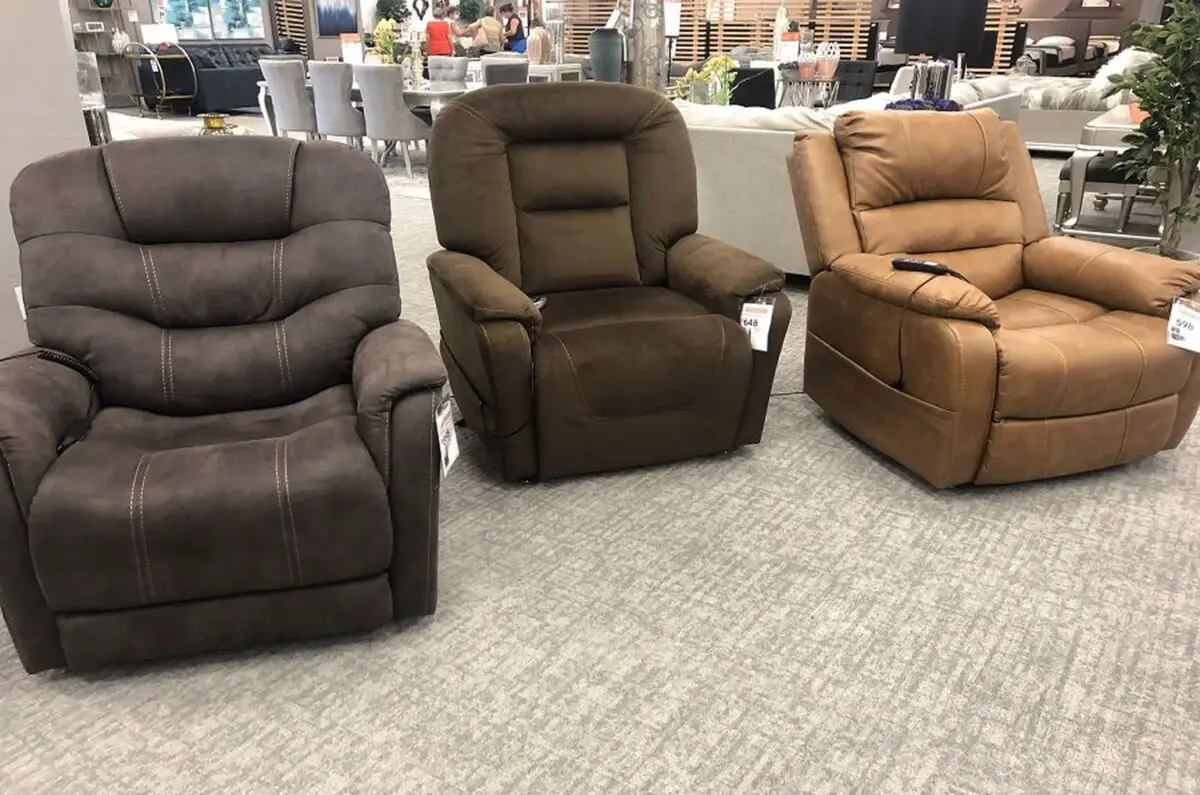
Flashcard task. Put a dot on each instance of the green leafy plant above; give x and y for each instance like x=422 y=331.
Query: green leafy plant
x=469 y=11
x=395 y=10
x=1167 y=142
x=717 y=72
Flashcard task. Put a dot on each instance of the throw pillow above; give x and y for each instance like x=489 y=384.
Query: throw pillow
x=1055 y=41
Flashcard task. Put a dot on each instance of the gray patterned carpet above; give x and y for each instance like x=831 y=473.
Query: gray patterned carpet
x=798 y=617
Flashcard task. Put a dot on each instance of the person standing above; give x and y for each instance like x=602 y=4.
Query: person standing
x=514 y=29
x=488 y=32
x=438 y=35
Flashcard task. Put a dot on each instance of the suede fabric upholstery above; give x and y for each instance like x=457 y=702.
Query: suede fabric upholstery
x=637 y=356
x=1049 y=359
x=261 y=463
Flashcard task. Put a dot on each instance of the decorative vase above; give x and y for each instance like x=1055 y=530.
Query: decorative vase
x=701 y=92
x=606 y=47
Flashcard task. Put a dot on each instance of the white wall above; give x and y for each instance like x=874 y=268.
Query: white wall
x=39 y=104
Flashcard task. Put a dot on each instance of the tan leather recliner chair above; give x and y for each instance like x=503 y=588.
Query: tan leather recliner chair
x=1051 y=360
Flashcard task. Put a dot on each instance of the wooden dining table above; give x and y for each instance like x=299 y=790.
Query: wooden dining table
x=429 y=94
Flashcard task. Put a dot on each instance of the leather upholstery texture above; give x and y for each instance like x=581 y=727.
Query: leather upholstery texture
x=261 y=441
x=637 y=355
x=1048 y=358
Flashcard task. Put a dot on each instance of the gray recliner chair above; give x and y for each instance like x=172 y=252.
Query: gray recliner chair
x=256 y=460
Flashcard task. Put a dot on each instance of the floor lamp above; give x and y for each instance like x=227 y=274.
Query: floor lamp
x=937 y=30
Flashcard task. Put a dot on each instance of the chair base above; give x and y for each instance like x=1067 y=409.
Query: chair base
x=927 y=439
x=95 y=640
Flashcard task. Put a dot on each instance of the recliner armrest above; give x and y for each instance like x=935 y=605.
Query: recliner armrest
x=484 y=294
x=718 y=276
x=40 y=403
x=937 y=296
x=391 y=362
x=1113 y=277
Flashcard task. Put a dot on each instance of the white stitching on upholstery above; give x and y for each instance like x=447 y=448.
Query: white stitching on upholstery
x=162 y=360
x=142 y=524
x=156 y=291
x=133 y=540
x=112 y=183
x=280 y=275
x=287 y=196
x=287 y=360
x=287 y=557
x=279 y=356
x=171 y=366
x=387 y=447
x=287 y=493
x=149 y=284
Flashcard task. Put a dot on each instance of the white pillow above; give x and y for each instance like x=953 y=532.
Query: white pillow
x=992 y=87
x=965 y=92
x=1055 y=41
x=1119 y=64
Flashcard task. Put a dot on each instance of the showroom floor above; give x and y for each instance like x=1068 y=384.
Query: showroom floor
x=798 y=616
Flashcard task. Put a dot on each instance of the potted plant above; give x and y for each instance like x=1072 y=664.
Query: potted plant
x=1166 y=144
x=712 y=85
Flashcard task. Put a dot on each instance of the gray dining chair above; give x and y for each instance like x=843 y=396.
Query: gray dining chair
x=294 y=110
x=447 y=69
x=504 y=70
x=390 y=122
x=332 y=84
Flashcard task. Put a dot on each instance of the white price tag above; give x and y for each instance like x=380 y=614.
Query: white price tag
x=1183 y=327
x=20 y=302
x=447 y=435
x=756 y=321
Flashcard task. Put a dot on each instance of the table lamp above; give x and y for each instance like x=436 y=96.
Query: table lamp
x=938 y=31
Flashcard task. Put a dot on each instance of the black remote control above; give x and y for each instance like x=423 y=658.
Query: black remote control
x=921 y=266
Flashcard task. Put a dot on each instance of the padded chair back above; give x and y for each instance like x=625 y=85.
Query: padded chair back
x=504 y=70
x=956 y=187
x=294 y=110
x=856 y=80
x=753 y=88
x=234 y=280
x=448 y=69
x=388 y=116
x=586 y=185
x=331 y=88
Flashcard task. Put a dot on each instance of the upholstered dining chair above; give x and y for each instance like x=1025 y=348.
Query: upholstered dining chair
x=233 y=444
x=501 y=68
x=293 y=103
x=1038 y=357
x=332 y=87
x=585 y=325
x=448 y=69
x=390 y=122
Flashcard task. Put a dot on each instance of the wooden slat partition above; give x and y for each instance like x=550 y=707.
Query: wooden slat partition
x=734 y=23
x=291 y=22
x=1003 y=18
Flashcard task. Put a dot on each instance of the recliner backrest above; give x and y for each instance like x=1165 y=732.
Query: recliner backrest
x=939 y=184
x=203 y=275
x=563 y=186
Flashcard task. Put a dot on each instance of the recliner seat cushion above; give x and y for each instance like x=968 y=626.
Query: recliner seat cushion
x=635 y=374
x=153 y=509
x=1112 y=361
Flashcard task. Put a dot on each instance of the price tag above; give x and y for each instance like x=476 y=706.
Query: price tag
x=20 y=302
x=756 y=322
x=447 y=435
x=1183 y=327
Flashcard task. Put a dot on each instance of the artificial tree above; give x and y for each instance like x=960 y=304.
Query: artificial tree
x=469 y=10
x=395 y=10
x=1167 y=143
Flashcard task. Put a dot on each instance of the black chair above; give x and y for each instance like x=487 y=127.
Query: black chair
x=753 y=88
x=856 y=80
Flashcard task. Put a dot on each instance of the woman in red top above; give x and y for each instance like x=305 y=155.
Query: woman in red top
x=437 y=34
